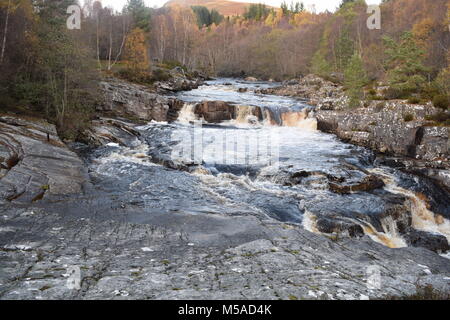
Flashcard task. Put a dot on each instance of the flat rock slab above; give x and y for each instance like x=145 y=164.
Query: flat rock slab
x=160 y=260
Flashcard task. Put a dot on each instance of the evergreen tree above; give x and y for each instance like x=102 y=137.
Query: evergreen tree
x=405 y=65
x=355 y=79
x=320 y=65
x=141 y=14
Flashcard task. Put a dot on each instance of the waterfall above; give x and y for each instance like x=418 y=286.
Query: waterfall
x=248 y=114
x=422 y=218
x=299 y=119
x=390 y=237
x=187 y=114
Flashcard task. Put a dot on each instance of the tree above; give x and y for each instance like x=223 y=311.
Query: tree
x=136 y=52
x=405 y=65
x=355 y=79
x=140 y=13
x=205 y=17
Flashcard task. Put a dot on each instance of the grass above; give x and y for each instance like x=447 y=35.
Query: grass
x=423 y=293
x=408 y=117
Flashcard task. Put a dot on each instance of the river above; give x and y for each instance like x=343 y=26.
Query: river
x=273 y=163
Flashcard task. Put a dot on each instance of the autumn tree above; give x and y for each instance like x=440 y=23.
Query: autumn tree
x=47 y=68
x=136 y=54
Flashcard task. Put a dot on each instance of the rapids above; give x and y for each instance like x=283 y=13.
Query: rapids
x=276 y=166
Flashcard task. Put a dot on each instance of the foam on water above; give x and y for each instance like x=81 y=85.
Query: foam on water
x=422 y=218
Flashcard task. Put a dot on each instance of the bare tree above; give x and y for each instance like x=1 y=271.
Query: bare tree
x=5 y=32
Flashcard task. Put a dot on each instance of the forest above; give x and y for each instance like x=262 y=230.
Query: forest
x=50 y=70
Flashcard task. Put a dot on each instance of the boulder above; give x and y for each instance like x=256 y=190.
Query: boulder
x=215 y=111
x=368 y=183
x=434 y=242
x=136 y=102
x=36 y=164
x=382 y=127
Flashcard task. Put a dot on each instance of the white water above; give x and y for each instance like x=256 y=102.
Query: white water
x=422 y=218
x=296 y=146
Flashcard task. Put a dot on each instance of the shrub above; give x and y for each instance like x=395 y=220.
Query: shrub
x=171 y=64
x=441 y=117
x=160 y=75
x=414 y=100
x=408 y=117
x=441 y=101
x=135 y=76
x=424 y=292
x=429 y=91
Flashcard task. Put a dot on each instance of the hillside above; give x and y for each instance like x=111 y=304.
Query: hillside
x=225 y=7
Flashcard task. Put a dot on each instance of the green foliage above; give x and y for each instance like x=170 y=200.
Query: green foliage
x=171 y=64
x=441 y=101
x=137 y=76
x=141 y=14
x=405 y=66
x=355 y=79
x=414 y=100
x=206 y=17
x=160 y=75
x=295 y=7
x=256 y=12
x=320 y=65
x=408 y=117
x=442 y=81
x=440 y=117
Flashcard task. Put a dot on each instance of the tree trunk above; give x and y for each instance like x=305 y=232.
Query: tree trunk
x=110 y=48
x=98 y=43
x=2 y=55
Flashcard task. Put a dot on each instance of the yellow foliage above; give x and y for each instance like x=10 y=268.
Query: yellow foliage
x=302 y=18
x=422 y=31
x=136 y=51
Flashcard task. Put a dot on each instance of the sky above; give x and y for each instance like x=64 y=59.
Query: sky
x=320 y=5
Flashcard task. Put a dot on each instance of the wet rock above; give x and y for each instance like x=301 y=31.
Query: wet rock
x=241 y=90
x=369 y=183
x=215 y=111
x=434 y=242
x=179 y=81
x=342 y=228
x=252 y=79
x=103 y=131
x=417 y=146
x=37 y=163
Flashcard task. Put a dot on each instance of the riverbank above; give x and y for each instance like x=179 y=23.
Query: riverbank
x=138 y=230
x=405 y=135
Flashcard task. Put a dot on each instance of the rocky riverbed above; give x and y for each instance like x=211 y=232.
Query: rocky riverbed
x=132 y=225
